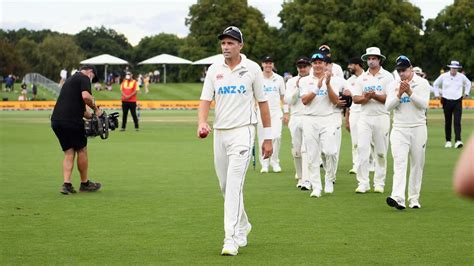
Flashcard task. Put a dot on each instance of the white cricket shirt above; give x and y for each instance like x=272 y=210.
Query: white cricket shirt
x=292 y=97
x=274 y=88
x=452 y=87
x=355 y=108
x=321 y=105
x=337 y=70
x=409 y=111
x=367 y=82
x=235 y=92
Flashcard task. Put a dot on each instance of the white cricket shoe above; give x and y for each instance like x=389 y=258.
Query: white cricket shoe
x=229 y=250
x=458 y=144
x=300 y=184
x=378 y=189
x=352 y=171
x=241 y=238
x=276 y=168
x=362 y=189
x=448 y=144
x=395 y=203
x=328 y=187
x=306 y=185
x=264 y=170
x=316 y=193
x=414 y=204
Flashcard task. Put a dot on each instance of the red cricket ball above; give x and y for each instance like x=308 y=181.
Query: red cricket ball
x=203 y=133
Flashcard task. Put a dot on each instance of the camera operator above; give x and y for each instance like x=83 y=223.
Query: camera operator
x=68 y=125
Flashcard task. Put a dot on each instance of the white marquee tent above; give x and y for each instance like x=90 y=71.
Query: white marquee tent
x=209 y=60
x=165 y=59
x=105 y=59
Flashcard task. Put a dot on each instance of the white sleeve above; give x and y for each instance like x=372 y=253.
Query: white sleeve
x=437 y=85
x=392 y=99
x=208 y=89
x=258 y=85
x=291 y=93
x=357 y=89
x=421 y=97
x=467 y=84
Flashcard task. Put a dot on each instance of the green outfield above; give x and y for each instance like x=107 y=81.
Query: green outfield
x=169 y=91
x=161 y=203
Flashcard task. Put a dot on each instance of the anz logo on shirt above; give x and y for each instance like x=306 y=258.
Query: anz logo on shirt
x=269 y=89
x=322 y=92
x=223 y=90
x=405 y=99
x=372 y=88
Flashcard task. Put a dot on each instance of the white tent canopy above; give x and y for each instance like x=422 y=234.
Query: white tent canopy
x=209 y=60
x=165 y=59
x=105 y=59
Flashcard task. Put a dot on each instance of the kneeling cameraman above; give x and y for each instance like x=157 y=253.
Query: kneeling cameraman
x=68 y=125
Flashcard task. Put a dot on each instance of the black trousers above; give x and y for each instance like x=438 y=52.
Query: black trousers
x=450 y=108
x=133 y=109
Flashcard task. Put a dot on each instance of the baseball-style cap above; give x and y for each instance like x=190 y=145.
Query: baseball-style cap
x=303 y=60
x=324 y=49
x=356 y=61
x=455 y=64
x=233 y=32
x=321 y=57
x=94 y=70
x=402 y=62
x=267 y=59
x=417 y=70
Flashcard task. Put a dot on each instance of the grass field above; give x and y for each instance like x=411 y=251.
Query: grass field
x=161 y=204
x=169 y=91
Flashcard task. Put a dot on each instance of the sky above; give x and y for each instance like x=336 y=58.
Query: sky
x=135 y=19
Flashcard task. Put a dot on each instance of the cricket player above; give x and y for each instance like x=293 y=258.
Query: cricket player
x=293 y=99
x=274 y=89
x=374 y=121
x=236 y=85
x=319 y=99
x=408 y=98
x=335 y=69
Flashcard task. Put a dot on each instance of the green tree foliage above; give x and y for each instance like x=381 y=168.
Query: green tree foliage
x=11 y=61
x=349 y=27
x=208 y=18
x=57 y=52
x=97 y=41
x=450 y=36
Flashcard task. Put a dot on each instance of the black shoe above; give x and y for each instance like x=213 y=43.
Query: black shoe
x=89 y=186
x=393 y=203
x=122 y=129
x=67 y=189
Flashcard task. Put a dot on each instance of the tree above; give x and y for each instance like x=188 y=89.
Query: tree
x=97 y=41
x=12 y=61
x=349 y=27
x=57 y=52
x=450 y=36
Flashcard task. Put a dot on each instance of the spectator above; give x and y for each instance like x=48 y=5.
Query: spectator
x=34 y=90
x=146 y=82
x=129 y=100
x=9 y=83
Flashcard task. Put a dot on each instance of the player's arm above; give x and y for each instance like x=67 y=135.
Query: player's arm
x=467 y=85
x=267 y=146
x=393 y=96
x=203 y=113
x=420 y=97
x=437 y=85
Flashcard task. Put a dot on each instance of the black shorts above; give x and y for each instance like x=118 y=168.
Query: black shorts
x=70 y=134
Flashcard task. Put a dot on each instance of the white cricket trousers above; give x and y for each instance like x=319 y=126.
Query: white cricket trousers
x=277 y=124
x=232 y=155
x=408 y=142
x=295 y=125
x=353 y=120
x=373 y=129
x=319 y=137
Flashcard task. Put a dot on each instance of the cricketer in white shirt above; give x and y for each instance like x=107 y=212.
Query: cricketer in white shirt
x=409 y=135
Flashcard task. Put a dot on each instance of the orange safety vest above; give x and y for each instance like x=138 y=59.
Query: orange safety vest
x=128 y=87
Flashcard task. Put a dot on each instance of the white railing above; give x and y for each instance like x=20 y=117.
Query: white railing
x=43 y=81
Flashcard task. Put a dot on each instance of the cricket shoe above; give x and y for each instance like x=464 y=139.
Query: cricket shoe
x=352 y=171
x=448 y=144
x=395 y=203
x=276 y=168
x=299 y=185
x=306 y=185
x=458 y=144
x=316 y=193
x=67 y=189
x=414 y=204
x=361 y=189
x=328 y=187
x=264 y=170
x=378 y=189
x=89 y=186
x=241 y=238
x=229 y=250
